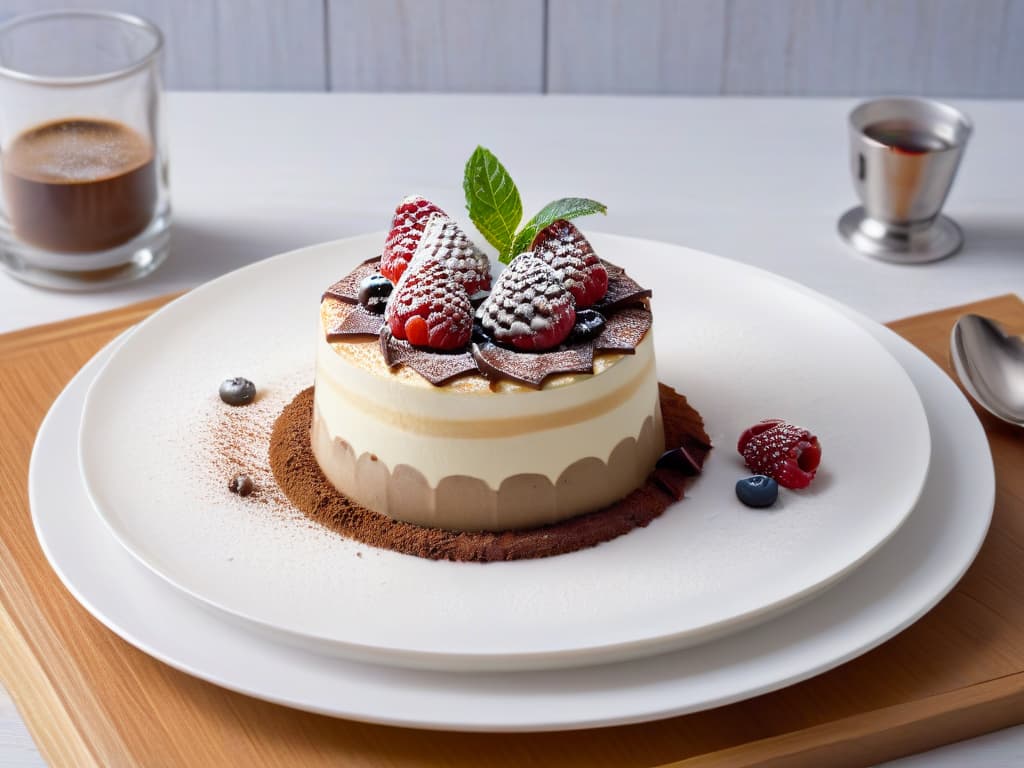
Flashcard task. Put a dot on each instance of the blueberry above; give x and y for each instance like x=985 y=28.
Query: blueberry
x=589 y=324
x=237 y=391
x=374 y=292
x=480 y=335
x=242 y=485
x=757 y=491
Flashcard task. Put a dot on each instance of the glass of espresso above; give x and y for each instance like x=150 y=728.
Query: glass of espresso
x=83 y=168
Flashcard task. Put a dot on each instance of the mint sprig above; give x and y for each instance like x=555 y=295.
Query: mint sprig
x=496 y=208
x=492 y=199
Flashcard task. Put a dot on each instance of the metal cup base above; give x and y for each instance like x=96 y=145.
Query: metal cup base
x=900 y=244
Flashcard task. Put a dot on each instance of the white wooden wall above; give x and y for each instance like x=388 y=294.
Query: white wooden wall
x=753 y=47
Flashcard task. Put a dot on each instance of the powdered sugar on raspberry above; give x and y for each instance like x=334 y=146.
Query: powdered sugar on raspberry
x=784 y=451
x=407 y=225
x=430 y=307
x=564 y=248
x=530 y=308
x=443 y=240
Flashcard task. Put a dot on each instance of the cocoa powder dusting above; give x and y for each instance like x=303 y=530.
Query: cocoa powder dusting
x=236 y=444
x=297 y=473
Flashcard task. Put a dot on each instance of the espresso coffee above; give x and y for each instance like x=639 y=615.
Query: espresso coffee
x=904 y=137
x=79 y=185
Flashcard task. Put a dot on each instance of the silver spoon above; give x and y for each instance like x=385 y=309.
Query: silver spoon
x=990 y=365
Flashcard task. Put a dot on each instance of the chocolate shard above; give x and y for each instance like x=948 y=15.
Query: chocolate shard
x=359 y=322
x=623 y=291
x=696 y=449
x=532 y=368
x=682 y=461
x=436 y=367
x=347 y=289
x=623 y=330
x=670 y=481
x=613 y=270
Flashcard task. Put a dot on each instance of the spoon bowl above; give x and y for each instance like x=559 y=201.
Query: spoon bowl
x=990 y=365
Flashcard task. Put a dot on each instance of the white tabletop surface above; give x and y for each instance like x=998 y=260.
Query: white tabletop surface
x=761 y=181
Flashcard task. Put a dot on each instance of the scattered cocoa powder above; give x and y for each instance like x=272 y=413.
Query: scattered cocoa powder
x=297 y=473
x=235 y=443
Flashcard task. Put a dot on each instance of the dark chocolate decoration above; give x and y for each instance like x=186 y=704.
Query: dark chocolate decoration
x=359 y=322
x=623 y=331
x=681 y=460
x=696 y=449
x=436 y=367
x=627 y=321
x=347 y=289
x=613 y=270
x=531 y=368
x=670 y=480
x=623 y=291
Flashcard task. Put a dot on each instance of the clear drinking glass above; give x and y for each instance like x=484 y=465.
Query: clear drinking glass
x=83 y=166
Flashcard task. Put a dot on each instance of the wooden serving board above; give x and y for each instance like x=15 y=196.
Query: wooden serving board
x=89 y=698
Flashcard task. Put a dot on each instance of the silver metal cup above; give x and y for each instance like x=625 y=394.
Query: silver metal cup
x=904 y=154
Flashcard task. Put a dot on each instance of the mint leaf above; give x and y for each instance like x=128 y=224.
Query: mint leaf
x=492 y=200
x=566 y=208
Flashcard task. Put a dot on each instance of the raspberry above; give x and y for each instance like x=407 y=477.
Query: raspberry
x=444 y=241
x=529 y=309
x=786 y=452
x=564 y=248
x=411 y=216
x=429 y=307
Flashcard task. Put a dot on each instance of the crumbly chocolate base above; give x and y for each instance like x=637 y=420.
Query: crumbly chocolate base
x=297 y=473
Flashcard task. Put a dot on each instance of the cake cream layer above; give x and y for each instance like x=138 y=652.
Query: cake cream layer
x=477 y=455
x=469 y=427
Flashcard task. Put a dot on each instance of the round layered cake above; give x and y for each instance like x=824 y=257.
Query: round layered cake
x=479 y=453
x=445 y=401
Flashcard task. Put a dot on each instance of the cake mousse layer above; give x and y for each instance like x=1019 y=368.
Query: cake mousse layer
x=299 y=475
x=389 y=440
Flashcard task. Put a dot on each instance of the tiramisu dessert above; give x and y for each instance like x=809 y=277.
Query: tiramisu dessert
x=546 y=409
x=452 y=399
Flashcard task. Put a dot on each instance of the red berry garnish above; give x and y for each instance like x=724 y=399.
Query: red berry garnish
x=529 y=309
x=442 y=240
x=564 y=248
x=784 y=451
x=429 y=307
x=411 y=217
x=417 y=332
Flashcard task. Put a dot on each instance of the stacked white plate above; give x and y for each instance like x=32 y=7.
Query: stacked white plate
x=713 y=602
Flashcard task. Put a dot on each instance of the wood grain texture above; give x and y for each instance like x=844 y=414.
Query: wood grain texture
x=91 y=699
x=948 y=48
x=224 y=44
x=651 y=46
x=832 y=47
x=436 y=45
x=788 y=47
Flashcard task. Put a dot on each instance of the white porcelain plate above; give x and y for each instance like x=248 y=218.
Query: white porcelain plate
x=742 y=344
x=907 y=576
